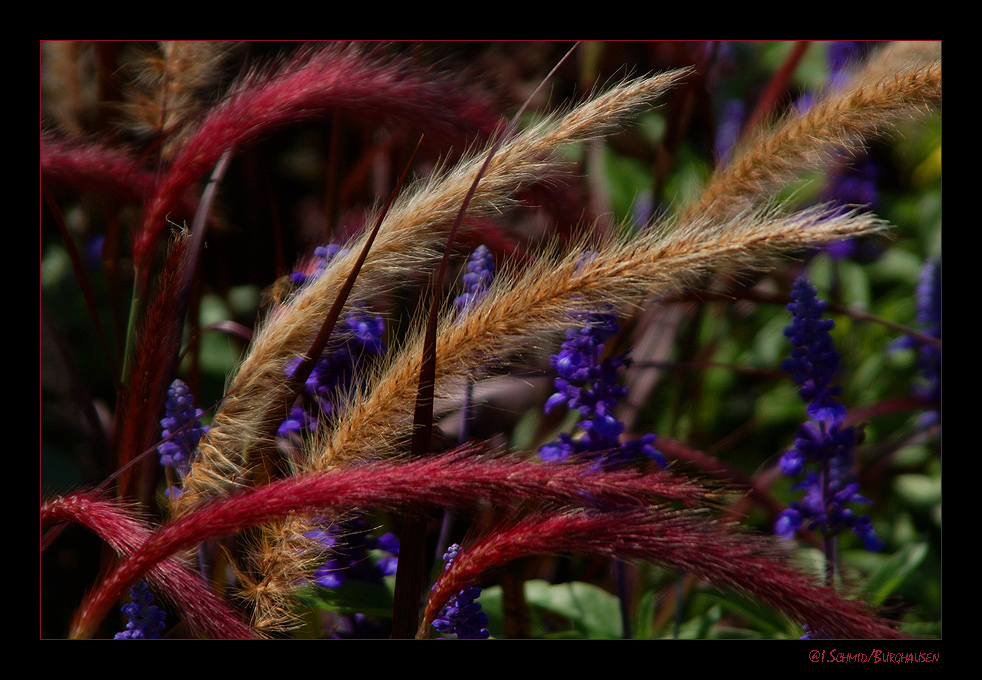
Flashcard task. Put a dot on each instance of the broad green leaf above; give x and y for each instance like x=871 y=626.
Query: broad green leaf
x=592 y=610
x=892 y=573
x=354 y=597
x=760 y=618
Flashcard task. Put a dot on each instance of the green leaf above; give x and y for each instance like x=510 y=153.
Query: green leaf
x=628 y=180
x=855 y=283
x=591 y=610
x=352 y=597
x=893 y=572
x=762 y=619
x=918 y=490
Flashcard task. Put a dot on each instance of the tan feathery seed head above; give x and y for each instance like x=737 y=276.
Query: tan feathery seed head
x=169 y=80
x=897 y=57
x=775 y=156
x=256 y=401
x=523 y=310
x=283 y=557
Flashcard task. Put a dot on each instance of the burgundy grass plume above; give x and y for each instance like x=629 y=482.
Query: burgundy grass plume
x=458 y=481
x=153 y=364
x=310 y=85
x=95 y=167
x=205 y=612
x=718 y=553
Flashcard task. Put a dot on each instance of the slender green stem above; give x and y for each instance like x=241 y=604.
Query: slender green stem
x=135 y=302
x=828 y=540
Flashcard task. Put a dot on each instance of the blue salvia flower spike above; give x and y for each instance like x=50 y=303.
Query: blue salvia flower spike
x=182 y=430
x=824 y=442
x=814 y=359
x=462 y=616
x=588 y=382
x=331 y=374
x=479 y=273
x=477 y=278
x=335 y=368
x=145 y=620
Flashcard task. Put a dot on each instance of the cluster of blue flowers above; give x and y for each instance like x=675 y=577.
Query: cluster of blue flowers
x=334 y=371
x=352 y=560
x=337 y=367
x=477 y=277
x=145 y=621
x=928 y=385
x=824 y=442
x=462 y=616
x=182 y=430
x=322 y=257
x=588 y=382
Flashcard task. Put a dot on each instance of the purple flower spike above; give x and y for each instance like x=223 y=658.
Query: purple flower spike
x=145 y=621
x=814 y=359
x=480 y=272
x=182 y=431
x=462 y=616
x=823 y=443
x=588 y=382
x=335 y=369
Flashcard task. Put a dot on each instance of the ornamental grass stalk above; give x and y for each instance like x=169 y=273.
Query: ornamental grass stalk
x=340 y=249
